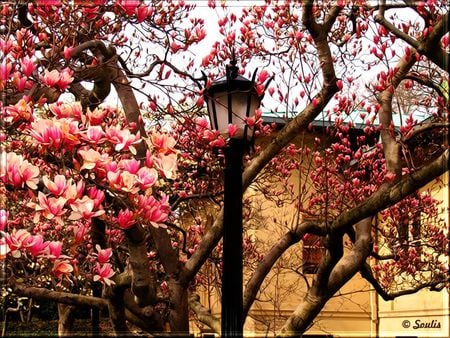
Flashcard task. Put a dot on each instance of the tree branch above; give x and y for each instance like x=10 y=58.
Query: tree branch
x=60 y=297
x=203 y=314
x=379 y=18
x=266 y=264
x=318 y=295
x=367 y=274
x=388 y=195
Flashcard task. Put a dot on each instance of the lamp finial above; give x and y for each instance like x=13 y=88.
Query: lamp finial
x=232 y=69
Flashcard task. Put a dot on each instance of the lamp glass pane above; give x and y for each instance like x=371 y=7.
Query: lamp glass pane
x=239 y=110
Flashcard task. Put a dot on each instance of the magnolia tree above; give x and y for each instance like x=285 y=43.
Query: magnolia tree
x=118 y=206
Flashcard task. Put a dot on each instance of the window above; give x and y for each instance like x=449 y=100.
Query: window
x=312 y=253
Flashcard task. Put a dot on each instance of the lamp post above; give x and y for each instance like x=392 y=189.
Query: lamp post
x=231 y=100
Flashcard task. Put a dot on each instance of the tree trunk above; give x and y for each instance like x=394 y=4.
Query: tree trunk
x=179 y=311
x=65 y=319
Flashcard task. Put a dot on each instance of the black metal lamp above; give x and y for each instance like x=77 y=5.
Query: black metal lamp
x=231 y=100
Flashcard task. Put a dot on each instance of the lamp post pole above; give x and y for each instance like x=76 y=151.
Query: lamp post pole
x=231 y=100
x=232 y=260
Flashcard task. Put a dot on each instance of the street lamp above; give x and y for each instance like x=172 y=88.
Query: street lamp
x=231 y=100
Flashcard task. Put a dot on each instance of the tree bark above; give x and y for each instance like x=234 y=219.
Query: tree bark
x=341 y=272
x=65 y=319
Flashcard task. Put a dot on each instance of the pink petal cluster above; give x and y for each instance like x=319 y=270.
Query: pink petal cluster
x=16 y=241
x=67 y=110
x=128 y=176
x=94 y=135
x=167 y=164
x=154 y=211
x=103 y=273
x=3 y=219
x=93 y=159
x=96 y=116
x=22 y=240
x=56 y=133
x=126 y=219
x=58 y=186
x=50 y=207
x=22 y=110
x=163 y=142
x=56 y=79
x=84 y=209
x=123 y=139
x=17 y=172
x=62 y=268
x=103 y=255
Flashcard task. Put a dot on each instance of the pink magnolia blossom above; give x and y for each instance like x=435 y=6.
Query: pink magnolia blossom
x=21 y=82
x=38 y=246
x=10 y=169
x=263 y=76
x=50 y=79
x=96 y=116
x=201 y=123
x=74 y=191
x=3 y=219
x=62 y=269
x=50 y=208
x=124 y=181
x=98 y=196
x=28 y=66
x=84 y=208
x=56 y=79
x=54 y=249
x=125 y=219
x=132 y=165
x=146 y=177
x=163 y=142
x=22 y=110
x=218 y=143
x=16 y=241
x=56 y=133
x=67 y=52
x=155 y=211
x=129 y=6
x=232 y=130
x=16 y=171
x=123 y=139
x=103 y=255
x=114 y=179
x=30 y=174
x=5 y=70
x=95 y=135
x=67 y=110
x=103 y=273
x=65 y=79
x=58 y=186
x=79 y=233
x=142 y=12
x=167 y=164
x=92 y=159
